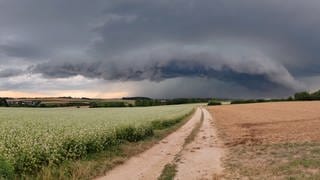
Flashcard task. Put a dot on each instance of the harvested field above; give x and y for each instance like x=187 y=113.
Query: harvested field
x=270 y=140
x=269 y=122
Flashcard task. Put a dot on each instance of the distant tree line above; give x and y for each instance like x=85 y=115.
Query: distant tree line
x=9 y=102
x=300 y=96
x=136 y=98
x=69 y=104
x=146 y=101
x=176 y=101
x=109 y=104
x=248 y=101
x=306 y=96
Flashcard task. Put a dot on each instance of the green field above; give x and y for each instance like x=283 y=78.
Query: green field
x=34 y=138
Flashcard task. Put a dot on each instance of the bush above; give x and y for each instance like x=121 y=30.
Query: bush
x=133 y=134
x=306 y=96
x=107 y=104
x=6 y=170
x=302 y=96
x=164 y=124
x=243 y=101
x=214 y=103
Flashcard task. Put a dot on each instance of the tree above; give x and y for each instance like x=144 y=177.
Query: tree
x=316 y=95
x=3 y=102
x=302 y=96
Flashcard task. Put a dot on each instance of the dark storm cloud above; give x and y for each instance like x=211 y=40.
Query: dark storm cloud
x=159 y=64
x=20 y=50
x=291 y=24
x=286 y=31
x=10 y=73
x=186 y=87
x=259 y=45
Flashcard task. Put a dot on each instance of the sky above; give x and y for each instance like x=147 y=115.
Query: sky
x=159 y=49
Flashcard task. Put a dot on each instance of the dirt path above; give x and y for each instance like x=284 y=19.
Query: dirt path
x=150 y=163
x=201 y=158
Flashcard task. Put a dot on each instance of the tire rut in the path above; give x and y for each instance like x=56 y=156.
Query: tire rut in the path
x=201 y=159
x=149 y=164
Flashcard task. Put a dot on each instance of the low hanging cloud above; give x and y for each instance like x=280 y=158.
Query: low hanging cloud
x=158 y=64
x=6 y=73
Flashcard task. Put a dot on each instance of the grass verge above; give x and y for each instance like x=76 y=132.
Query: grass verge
x=97 y=164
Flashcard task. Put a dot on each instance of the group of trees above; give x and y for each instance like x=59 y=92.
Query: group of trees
x=3 y=102
x=148 y=102
x=306 y=96
x=214 y=102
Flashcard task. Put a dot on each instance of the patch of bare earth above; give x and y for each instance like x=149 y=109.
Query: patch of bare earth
x=149 y=164
x=270 y=140
x=200 y=159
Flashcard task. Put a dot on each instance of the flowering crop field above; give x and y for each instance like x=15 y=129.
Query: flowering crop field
x=33 y=138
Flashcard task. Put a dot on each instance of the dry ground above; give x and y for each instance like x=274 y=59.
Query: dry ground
x=190 y=153
x=149 y=164
x=270 y=140
x=201 y=158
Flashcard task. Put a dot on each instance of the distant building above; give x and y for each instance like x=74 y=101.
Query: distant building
x=15 y=102
x=163 y=101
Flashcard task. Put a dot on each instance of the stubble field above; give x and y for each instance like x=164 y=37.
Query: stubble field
x=270 y=140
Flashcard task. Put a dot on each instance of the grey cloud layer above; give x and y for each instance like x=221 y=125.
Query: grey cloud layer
x=259 y=45
x=10 y=73
x=157 y=64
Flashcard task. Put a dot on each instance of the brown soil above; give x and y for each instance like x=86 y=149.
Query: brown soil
x=201 y=158
x=267 y=123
